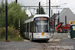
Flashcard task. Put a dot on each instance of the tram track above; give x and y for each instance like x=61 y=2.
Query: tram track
x=46 y=44
x=54 y=42
x=49 y=46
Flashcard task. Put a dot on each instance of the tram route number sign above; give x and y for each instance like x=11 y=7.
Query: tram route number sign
x=40 y=18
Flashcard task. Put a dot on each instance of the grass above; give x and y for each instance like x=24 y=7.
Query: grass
x=12 y=39
x=13 y=35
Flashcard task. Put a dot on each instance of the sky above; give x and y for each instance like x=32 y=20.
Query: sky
x=69 y=4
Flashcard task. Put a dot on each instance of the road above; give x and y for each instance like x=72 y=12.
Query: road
x=56 y=40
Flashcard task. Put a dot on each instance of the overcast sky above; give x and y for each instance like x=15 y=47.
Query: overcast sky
x=70 y=3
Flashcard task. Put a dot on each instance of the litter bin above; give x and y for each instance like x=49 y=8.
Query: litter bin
x=72 y=31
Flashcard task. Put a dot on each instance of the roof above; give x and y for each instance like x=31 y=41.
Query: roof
x=38 y=15
x=64 y=10
x=41 y=15
x=29 y=20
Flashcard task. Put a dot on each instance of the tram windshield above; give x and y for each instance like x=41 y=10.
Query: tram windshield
x=41 y=25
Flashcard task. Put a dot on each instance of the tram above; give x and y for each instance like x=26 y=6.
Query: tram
x=37 y=28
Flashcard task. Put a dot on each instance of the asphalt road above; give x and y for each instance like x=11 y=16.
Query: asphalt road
x=22 y=45
x=39 y=45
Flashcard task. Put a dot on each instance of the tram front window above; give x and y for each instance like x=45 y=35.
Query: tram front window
x=41 y=26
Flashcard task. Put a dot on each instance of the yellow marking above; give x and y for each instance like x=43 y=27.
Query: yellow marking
x=19 y=28
x=4 y=28
x=19 y=32
x=73 y=29
x=19 y=36
x=43 y=34
x=19 y=22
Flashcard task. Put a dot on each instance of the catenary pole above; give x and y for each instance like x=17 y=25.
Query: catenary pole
x=49 y=8
x=39 y=7
x=16 y=1
x=6 y=20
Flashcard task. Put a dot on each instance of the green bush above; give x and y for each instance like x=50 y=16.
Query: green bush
x=13 y=35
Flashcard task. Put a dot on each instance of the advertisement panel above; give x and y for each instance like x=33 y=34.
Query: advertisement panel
x=71 y=22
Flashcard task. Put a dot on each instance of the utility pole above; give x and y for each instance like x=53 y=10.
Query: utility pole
x=39 y=7
x=49 y=8
x=6 y=20
x=58 y=17
x=49 y=17
x=16 y=1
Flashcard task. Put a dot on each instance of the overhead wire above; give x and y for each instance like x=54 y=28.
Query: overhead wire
x=32 y=5
x=35 y=2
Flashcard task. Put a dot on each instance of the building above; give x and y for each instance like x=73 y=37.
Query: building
x=68 y=14
x=65 y=16
x=54 y=20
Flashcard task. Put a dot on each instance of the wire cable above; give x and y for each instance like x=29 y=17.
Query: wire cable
x=35 y=2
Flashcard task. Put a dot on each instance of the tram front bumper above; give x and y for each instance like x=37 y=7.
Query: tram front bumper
x=40 y=38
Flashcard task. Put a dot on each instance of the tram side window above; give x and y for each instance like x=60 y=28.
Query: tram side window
x=27 y=27
x=31 y=27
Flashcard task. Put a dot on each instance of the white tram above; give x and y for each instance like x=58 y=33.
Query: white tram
x=37 y=28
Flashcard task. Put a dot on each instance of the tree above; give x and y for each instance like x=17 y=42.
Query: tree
x=2 y=15
x=15 y=12
x=41 y=11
